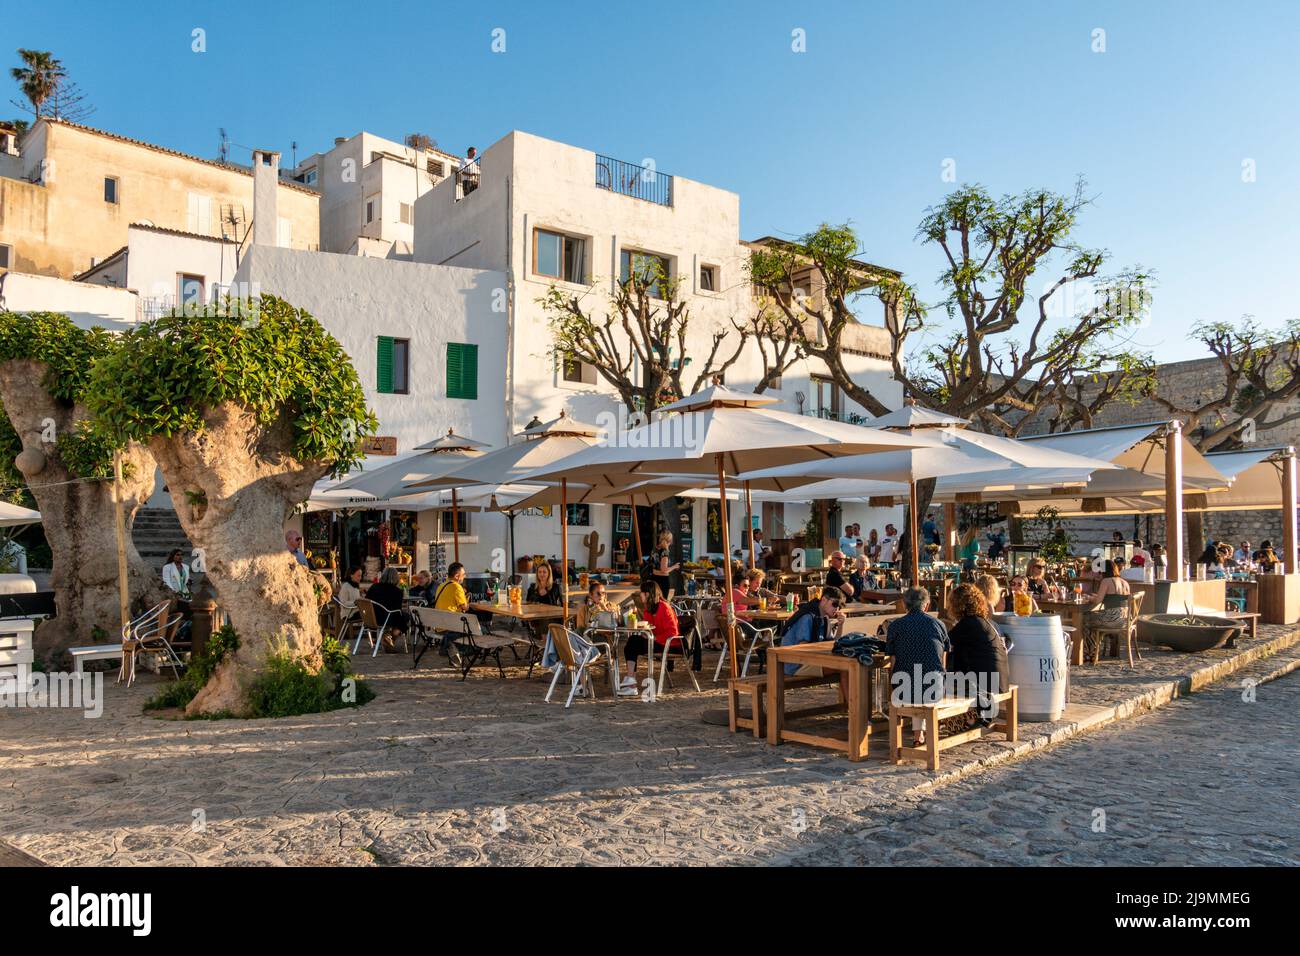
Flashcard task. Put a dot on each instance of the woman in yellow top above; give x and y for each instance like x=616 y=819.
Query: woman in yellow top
x=452 y=596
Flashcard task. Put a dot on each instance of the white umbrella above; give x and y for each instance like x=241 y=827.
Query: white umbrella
x=12 y=516
x=962 y=453
x=435 y=457
x=716 y=432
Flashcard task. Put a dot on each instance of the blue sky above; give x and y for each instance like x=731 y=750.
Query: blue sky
x=856 y=128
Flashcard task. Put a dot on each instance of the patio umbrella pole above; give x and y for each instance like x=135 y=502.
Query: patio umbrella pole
x=455 y=525
x=636 y=529
x=749 y=525
x=914 y=559
x=726 y=567
x=564 y=547
x=514 y=564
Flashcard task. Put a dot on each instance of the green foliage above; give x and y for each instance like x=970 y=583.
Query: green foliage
x=1051 y=535
x=284 y=688
x=88 y=453
x=13 y=486
x=267 y=356
x=68 y=352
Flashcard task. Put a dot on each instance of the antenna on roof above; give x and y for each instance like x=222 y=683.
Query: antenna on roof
x=293 y=146
x=224 y=148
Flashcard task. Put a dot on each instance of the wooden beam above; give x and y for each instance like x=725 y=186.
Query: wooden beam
x=1289 y=514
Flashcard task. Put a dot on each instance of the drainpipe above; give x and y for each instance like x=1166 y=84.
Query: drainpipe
x=510 y=343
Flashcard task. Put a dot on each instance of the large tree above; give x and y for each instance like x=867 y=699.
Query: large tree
x=39 y=78
x=244 y=408
x=992 y=348
x=45 y=364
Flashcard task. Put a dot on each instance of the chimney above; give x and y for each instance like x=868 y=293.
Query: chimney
x=266 y=180
x=340 y=140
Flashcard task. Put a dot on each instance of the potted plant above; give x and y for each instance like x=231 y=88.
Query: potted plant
x=813 y=556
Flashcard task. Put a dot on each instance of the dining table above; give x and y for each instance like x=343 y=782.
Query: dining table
x=858 y=681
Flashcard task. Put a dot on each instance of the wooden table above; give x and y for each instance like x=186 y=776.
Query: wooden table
x=525 y=612
x=850 y=610
x=857 y=683
x=890 y=596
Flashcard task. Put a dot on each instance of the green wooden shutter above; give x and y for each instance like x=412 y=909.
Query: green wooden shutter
x=462 y=370
x=384 y=364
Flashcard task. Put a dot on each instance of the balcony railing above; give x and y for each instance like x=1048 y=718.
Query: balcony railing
x=849 y=418
x=634 y=179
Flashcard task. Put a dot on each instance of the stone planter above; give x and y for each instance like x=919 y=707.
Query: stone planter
x=1159 y=629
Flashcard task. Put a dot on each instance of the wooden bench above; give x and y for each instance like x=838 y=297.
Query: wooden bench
x=93 y=652
x=756 y=688
x=1249 y=618
x=941 y=710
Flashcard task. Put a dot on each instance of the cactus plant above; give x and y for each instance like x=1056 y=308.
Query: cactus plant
x=594 y=548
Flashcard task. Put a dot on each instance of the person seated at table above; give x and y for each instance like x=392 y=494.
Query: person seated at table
x=979 y=654
x=350 y=588
x=861 y=578
x=1159 y=560
x=1266 y=557
x=740 y=601
x=812 y=622
x=423 y=590
x=545 y=589
x=993 y=594
x=661 y=616
x=835 y=575
x=1210 y=557
x=1037 y=581
x=1243 y=554
x=597 y=610
x=1112 y=581
x=1020 y=584
x=451 y=595
x=758 y=590
x=918 y=643
x=387 y=597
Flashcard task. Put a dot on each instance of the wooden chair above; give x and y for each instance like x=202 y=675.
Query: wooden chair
x=1097 y=628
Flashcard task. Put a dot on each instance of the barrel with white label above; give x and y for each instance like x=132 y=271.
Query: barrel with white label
x=1038 y=663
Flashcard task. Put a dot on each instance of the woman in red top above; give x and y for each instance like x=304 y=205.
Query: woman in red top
x=661 y=616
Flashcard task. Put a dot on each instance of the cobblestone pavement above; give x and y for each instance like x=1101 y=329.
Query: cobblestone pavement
x=1209 y=780
x=439 y=771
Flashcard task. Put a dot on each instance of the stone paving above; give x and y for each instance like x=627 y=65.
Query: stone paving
x=436 y=771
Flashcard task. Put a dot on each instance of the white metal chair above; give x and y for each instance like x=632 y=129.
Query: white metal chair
x=372 y=627
x=686 y=639
x=744 y=629
x=150 y=633
x=576 y=655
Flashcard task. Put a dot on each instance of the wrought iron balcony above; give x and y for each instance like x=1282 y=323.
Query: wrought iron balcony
x=634 y=179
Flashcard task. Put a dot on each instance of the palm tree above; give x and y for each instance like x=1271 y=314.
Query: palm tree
x=40 y=77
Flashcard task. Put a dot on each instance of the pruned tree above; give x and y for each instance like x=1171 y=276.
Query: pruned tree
x=245 y=406
x=61 y=461
x=1261 y=379
x=989 y=350
x=640 y=344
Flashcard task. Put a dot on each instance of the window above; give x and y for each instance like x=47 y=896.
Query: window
x=708 y=278
x=462 y=370
x=372 y=208
x=404 y=213
x=189 y=289
x=825 y=398
x=308 y=177
x=199 y=209
x=110 y=189
x=461 y=519
x=284 y=232
x=6 y=256
x=436 y=169
x=576 y=371
x=559 y=256
x=393 y=366
x=650 y=268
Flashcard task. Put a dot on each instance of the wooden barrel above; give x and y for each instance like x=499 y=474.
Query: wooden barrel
x=1038 y=663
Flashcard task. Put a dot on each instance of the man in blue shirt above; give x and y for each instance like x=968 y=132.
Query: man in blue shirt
x=812 y=622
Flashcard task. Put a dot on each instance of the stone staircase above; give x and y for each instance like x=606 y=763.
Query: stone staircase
x=156 y=532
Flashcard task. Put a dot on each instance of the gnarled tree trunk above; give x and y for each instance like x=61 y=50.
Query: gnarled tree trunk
x=77 y=515
x=234 y=484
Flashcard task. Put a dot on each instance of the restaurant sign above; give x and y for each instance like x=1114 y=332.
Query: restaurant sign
x=379 y=445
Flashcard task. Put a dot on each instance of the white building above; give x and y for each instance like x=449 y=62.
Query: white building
x=168 y=268
x=369 y=186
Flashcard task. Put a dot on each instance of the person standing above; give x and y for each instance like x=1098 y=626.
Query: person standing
x=469 y=172
x=849 y=542
x=889 y=544
x=661 y=563
x=176 y=575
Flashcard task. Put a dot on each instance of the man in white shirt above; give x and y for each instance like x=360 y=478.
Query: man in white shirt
x=468 y=172
x=888 y=543
x=760 y=549
x=176 y=574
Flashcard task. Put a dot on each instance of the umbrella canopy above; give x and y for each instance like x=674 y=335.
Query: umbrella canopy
x=544 y=444
x=914 y=416
x=962 y=453
x=11 y=516
x=436 y=457
x=719 y=426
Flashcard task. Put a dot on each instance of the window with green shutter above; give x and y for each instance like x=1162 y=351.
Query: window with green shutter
x=462 y=370
x=384 y=364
